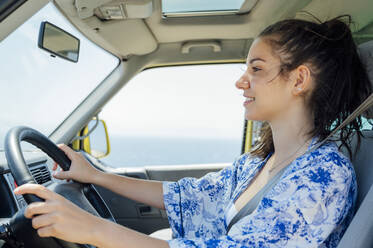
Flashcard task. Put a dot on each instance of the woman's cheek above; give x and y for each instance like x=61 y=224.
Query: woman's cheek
x=255 y=80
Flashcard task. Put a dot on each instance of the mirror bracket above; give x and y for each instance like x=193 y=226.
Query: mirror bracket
x=89 y=132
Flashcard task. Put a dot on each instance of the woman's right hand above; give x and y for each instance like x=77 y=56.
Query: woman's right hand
x=80 y=170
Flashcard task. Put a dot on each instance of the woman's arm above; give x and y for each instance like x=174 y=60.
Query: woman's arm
x=110 y=235
x=144 y=191
x=60 y=218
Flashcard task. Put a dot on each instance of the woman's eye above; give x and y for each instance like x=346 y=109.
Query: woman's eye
x=255 y=69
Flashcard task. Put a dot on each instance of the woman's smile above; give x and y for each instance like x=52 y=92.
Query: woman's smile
x=248 y=101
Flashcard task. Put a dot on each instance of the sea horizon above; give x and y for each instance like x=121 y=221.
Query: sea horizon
x=154 y=151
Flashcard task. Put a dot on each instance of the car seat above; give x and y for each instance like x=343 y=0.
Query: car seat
x=360 y=231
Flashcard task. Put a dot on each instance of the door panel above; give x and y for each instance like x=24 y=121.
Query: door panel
x=136 y=215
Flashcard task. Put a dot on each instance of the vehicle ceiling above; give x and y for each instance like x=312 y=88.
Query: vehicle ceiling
x=140 y=36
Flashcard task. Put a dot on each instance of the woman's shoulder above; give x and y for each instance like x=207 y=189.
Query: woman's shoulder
x=325 y=162
x=317 y=174
x=329 y=155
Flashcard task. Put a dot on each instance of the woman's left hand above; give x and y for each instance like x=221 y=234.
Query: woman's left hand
x=58 y=217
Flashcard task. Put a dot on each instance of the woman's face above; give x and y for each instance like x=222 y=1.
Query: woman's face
x=266 y=91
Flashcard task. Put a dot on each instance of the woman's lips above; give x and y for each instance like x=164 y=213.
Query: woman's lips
x=249 y=100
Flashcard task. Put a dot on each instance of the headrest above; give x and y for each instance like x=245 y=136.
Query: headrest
x=366 y=55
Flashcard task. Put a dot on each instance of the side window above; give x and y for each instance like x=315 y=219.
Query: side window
x=367 y=124
x=177 y=116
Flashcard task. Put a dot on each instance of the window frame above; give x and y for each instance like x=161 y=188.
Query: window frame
x=8 y=6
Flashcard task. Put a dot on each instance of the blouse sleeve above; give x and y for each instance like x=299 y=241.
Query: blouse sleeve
x=306 y=208
x=197 y=204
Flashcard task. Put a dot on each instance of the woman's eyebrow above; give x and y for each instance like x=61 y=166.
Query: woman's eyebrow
x=255 y=59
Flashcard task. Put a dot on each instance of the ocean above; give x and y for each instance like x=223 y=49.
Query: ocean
x=145 y=151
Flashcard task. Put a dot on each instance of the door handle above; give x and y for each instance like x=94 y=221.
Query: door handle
x=147 y=211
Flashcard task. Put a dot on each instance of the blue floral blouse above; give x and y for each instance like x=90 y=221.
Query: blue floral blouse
x=310 y=206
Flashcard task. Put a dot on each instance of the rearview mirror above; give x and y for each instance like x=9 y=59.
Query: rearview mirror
x=58 y=42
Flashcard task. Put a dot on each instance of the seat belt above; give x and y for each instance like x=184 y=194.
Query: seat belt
x=358 y=111
x=253 y=203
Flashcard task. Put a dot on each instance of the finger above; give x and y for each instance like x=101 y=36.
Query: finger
x=47 y=231
x=67 y=150
x=36 y=189
x=55 y=166
x=44 y=220
x=36 y=208
x=61 y=174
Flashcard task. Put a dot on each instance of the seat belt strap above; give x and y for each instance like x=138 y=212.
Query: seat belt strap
x=253 y=203
x=358 y=111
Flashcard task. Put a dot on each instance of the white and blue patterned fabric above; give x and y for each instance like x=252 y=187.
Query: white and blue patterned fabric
x=310 y=206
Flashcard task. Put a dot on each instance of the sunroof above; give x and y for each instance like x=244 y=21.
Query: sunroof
x=176 y=8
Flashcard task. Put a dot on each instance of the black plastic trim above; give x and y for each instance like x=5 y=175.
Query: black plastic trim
x=8 y=6
x=244 y=137
x=8 y=207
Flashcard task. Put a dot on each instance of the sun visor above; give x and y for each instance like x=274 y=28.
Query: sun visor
x=121 y=37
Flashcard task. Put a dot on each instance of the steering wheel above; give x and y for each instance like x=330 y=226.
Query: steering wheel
x=83 y=195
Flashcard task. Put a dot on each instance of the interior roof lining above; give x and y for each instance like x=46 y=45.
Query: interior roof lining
x=224 y=27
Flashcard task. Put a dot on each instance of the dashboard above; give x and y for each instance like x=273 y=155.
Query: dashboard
x=11 y=203
x=40 y=173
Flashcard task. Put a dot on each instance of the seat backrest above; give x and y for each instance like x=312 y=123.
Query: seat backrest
x=360 y=231
x=363 y=163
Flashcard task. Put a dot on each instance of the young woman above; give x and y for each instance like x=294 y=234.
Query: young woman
x=302 y=79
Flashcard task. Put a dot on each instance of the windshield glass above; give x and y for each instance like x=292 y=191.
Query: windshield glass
x=39 y=90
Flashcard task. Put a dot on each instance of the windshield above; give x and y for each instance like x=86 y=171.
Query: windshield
x=39 y=90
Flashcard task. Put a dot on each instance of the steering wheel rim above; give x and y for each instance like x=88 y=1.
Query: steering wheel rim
x=22 y=174
x=16 y=161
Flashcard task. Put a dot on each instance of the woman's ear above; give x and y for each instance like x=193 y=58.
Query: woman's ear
x=302 y=82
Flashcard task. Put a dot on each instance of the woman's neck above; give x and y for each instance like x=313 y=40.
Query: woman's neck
x=291 y=135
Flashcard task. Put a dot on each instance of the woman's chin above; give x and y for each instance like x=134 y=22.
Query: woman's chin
x=252 y=116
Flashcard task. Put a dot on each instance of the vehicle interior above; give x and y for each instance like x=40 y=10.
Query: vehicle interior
x=143 y=35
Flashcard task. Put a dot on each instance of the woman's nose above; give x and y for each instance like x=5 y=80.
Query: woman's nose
x=243 y=82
